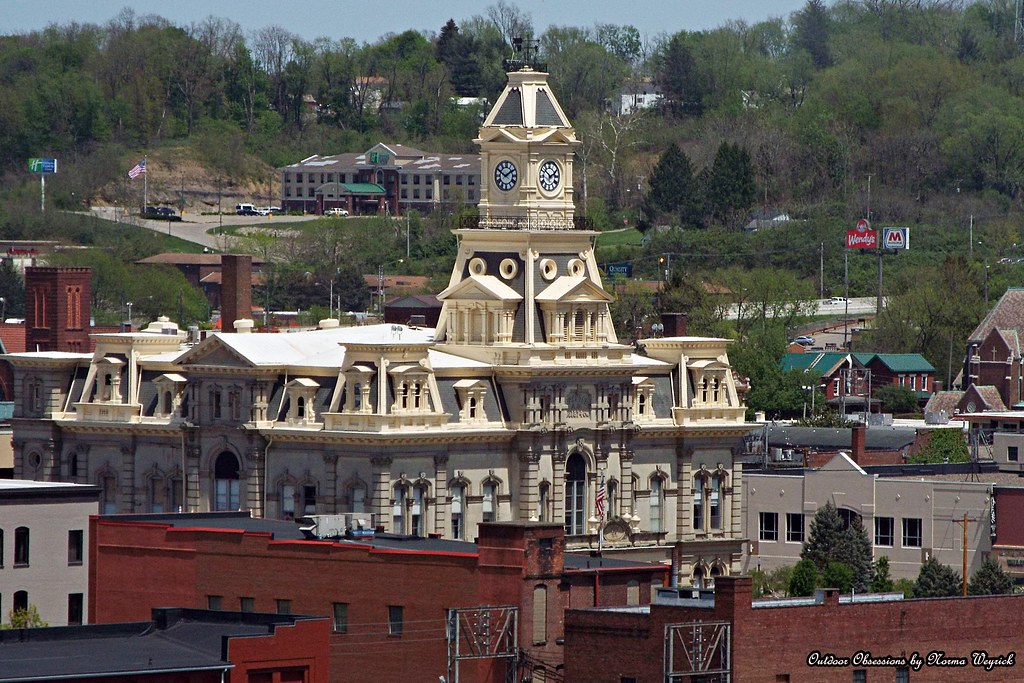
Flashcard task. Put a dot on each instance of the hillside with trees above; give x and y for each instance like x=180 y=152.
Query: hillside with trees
x=906 y=112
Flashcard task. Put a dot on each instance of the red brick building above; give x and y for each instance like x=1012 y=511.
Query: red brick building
x=389 y=597
x=57 y=308
x=175 y=646
x=728 y=636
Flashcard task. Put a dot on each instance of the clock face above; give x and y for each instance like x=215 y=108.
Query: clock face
x=505 y=175
x=549 y=176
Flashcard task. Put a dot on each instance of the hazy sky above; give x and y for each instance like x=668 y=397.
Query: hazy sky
x=366 y=21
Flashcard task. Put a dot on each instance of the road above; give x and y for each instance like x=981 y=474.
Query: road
x=195 y=227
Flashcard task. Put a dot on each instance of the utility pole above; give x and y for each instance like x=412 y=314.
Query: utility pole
x=821 y=271
x=963 y=522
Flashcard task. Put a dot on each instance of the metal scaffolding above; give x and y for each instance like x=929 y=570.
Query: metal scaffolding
x=483 y=633
x=698 y=651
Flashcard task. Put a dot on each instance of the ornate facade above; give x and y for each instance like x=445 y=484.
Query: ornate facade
x=516 y=407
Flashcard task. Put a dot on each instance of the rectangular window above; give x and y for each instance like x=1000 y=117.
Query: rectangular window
x=21 y=546
x=472 y=179
x=416 y=193
x=472 y=195
x=76 y=540
x=903 y=675
x=213 y=602
x=884 y=531
x=490 y=510
x=912 y=532
x=309 y=500
x=447 y=179
x=395 y=620
x=340 y=617
x=405 y=193
x=415 y=180
x=794 y=527
x=430 y=193
x=656 y=500
x=769 y=526
x=284 y=606
x=247 y=604
x=458 y=180
x=1011 y=454
x=458 y=493
x=75 y=603
x=860 y=676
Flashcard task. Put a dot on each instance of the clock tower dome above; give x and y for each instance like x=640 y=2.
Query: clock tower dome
x=527 y=147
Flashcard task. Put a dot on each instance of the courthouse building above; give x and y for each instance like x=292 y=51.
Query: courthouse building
x=518 y=406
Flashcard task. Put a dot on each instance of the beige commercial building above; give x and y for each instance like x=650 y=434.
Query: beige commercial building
x=44 y=553
x=907 y=518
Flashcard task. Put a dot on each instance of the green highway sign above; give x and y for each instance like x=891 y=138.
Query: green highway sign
x=42 y=165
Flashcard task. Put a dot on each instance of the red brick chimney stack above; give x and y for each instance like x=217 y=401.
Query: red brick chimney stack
x=236 y=290
x=675 y=324
x=857 y=443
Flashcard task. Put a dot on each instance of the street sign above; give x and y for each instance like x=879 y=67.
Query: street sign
x=42 y=165
x=896 y=238
x=623 y=269
x=862 y=236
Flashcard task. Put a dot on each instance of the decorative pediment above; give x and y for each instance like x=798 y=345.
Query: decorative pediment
x=480 y=288
x=573 y=289
x=213 y=351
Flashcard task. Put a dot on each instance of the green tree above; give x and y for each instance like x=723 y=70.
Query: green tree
x=772 y=584
x=936 y=580
x=811 y=27
x=730 y=186
x=677 y=75
x=672 y=188
x=882 y=581
x=838 y=575
x=825 y=535
x=804 y=579
x=990 y=579
x=896 y=399
x=854 y=551
x=944 y=445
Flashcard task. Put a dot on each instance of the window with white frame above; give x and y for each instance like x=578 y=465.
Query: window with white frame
x=657 y=504
x=698 y=502
x=398 y=509
x=471 y=394
x=418 y=510
x=302 y=400
x=458 y=508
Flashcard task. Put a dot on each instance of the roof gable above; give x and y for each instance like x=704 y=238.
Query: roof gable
x=897 y=362
x=1007 y=314
x=577 y=288
x=480 y=288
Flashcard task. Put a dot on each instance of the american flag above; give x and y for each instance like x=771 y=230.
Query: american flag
x=599 y=500
x=137 y=170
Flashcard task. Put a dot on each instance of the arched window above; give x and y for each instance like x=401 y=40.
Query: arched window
x=287 y=501
x=418 y=512
x=657 y=504
x=357 y=497
x=20 y=600
x=108 y=493
x=227 y=482
x=472 y=408
x=715 y=503
x=157 y=493
x=73 y=466
x=641 y=404
x=543 y=502
x=698 y=577
x=300 y=407
x=575 y=495
x=398 y=509
x=168 y=403
x=458 y=511
x=699 y=483
x=490 y=491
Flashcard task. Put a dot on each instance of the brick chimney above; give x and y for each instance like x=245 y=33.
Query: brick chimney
x=857 y=436
x=675 y=324
x=236 y=290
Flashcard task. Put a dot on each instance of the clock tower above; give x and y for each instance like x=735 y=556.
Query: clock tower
x=527 y=147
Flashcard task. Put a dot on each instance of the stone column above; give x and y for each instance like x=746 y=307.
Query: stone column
x=254 y=464
x=381 y=473
x=684 y=476
x=127 y=493
x=558 y=486
x=529 y=469
x=441 y=508
x=192 y=496
x=51 y=461
x=331 y=483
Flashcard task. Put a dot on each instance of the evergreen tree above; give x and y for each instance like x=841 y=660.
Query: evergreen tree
x=677 y=75
x=804 y=579
x=811 y=30
x=990 y=579
x=731 y=182
x=936 y=580
x=12 y=289
x=882 y=581
x=672 y=187
x=854 y=550
x=825 y=535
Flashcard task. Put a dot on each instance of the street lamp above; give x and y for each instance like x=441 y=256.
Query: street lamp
x=129 y=305
x=809 y=388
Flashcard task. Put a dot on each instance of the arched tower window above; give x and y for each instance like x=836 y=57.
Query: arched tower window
x=227 y=482
x=575 y=495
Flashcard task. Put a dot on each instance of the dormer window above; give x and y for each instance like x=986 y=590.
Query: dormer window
x=302 y=401
x=410 y=387
x=471 y=394
x=358 y=383
x=109 y=370
x=170 y=392
x=643 y=399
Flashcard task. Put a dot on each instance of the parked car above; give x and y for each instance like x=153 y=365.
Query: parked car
x=246 y=210
x=837 y=300
x=165 y=211
x=804 y=340
x=336 y=212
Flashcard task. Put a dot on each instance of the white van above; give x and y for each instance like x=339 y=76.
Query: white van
x=246 y=210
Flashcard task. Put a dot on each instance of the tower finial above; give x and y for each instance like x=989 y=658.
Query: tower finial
x=524 y=56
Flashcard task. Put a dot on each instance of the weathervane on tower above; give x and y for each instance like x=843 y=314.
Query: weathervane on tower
x=529 y=53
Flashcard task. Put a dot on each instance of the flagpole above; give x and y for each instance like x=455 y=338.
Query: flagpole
x=145 y=184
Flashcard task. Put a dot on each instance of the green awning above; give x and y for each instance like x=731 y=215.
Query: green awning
x=363 y=188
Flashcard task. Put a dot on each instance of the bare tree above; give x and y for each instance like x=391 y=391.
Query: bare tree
x=511 y=21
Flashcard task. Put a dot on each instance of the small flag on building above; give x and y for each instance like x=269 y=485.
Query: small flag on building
x=599 y=500
x=137 y=170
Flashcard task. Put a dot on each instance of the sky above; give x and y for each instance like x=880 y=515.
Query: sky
x=366 y=21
